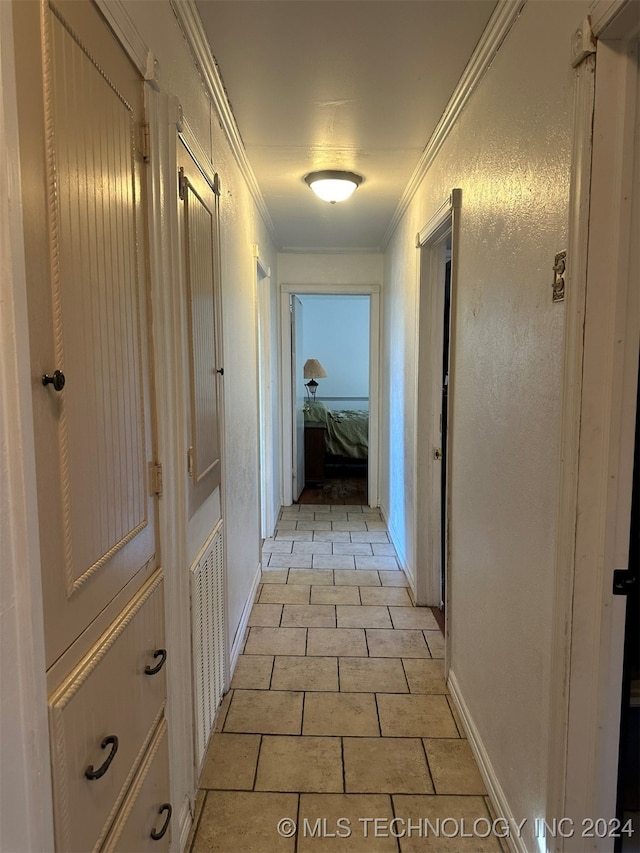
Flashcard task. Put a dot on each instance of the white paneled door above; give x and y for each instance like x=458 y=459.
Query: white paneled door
x=87 y=313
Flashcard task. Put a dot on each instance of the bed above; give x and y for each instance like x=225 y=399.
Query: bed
x=346 y=437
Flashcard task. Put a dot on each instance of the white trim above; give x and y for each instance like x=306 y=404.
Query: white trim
x=494 y=788
x=166 y=336
x=603 y=14
x=265 y=271
x=199 y=155
x=119 y=20
x=501 y=21
x=26 y=810
x=373 y=291
x=265 y=395
x=575 y=290
x=190 y=23
x=244 y=621
x=605 y=445
x=185 y=822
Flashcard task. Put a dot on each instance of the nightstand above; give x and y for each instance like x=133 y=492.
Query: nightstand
x=314 y=453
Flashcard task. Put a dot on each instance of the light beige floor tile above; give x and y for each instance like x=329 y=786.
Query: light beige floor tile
x=305 y=673
x=231 y=762
x=438 y=809
x=354 y=578
x=413 y=617
x=273 y=575
x=286 y=524
x=425 y=676
x=396 y=643
x=333 y=561
x=393 y=595
x=315 y=508
x=353 y=809
x=285 y=593
x=435 y=641
x=253 y=672
x=320 y=577
x=336 y=642
x=309 y=615
x=387 y=564
x=223 y=710
x=363 y=617
x=415 y=716
x=370 y=536
x=335 y=595
x=385 y=765
x=265 y=615
x=394 y=578
x=340 y=714
x=383 y=549
x=372 y=675
x=351 y=526
x=376 y=525
x=276 y=641
x=330 y=536
x=312 y=524
x=354 y=508
x=275 y=712
x=288 y=561
x=297 y=535
x=244 y=822
x=300 y=764
x=354 y=549
x=313 y=547
x=279 y=546
x=453 y=767
x=336 y=514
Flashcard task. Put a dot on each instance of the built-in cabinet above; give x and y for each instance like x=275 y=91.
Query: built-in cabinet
x=82 y=140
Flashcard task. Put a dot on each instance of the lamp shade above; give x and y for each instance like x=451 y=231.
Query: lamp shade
x=313 y=369
x=333 y=185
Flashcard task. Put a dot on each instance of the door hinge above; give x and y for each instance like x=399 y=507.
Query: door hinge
x=559 y=270
x=183 y=183
x=145 y=143
x=155 y=478
x=190 y=461
x=623 y=581
x=216 y=184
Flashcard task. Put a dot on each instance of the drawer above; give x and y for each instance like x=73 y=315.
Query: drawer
x=107 y=695
x=146 y=808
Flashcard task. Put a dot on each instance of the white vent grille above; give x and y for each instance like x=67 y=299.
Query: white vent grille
x=208 y=633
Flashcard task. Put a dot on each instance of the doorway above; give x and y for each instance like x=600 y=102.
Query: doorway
x=436 y=274
x=332 y=410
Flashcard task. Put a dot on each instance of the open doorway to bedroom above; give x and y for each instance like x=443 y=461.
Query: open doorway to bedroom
x=330 y=361
x=331 y=368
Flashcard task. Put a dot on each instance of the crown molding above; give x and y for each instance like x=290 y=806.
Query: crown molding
x=501 y=21
x=190 y=23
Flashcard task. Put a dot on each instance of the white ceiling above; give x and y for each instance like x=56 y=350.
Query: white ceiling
x=339 y=84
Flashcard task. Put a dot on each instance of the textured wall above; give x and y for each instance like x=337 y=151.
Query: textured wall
x=510 y=154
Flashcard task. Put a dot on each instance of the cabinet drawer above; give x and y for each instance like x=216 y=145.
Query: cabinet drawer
x=107 y=695
x=146 y=808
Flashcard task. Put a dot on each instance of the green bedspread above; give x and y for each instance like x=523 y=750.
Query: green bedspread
x=347 y=431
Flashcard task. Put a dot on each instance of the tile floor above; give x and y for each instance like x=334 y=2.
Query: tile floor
x=338 y=713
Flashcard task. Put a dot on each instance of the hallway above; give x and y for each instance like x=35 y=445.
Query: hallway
x=338 y=707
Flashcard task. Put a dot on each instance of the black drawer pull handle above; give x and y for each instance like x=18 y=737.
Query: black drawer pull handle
x=90 y=773
x=165 y=807
x=161 y=653
x=57 y=380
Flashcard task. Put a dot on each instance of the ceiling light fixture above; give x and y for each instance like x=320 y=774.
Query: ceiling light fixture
x=333 y=185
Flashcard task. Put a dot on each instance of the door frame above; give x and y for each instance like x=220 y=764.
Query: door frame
x=602 y=336
x=430 y=242
x=286 y=435
x=268 y=511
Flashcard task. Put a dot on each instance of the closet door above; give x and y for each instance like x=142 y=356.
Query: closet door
x=81 y=118
x=199 y=191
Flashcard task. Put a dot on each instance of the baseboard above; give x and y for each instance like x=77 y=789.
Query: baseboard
x=244 y=621
x=409 y=573
x=496 y=794
x=184 y=824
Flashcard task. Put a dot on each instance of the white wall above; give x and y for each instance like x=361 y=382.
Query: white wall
x=335 y=331
x=363 y=268
x=510 y=153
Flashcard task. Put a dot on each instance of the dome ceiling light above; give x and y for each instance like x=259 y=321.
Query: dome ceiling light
x=333 y=185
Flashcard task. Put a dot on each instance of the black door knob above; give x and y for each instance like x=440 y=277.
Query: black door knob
x=57 y=380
